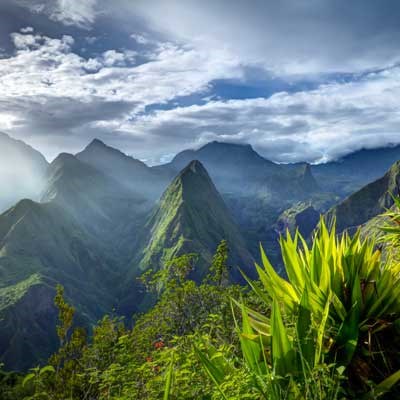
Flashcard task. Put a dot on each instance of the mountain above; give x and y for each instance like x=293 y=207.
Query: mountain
x=40 y=245
x=97 y=201
x=217 y=154
x=236 y=168
x=355 y=170
x=367 y=202
x=132 y=173
x=191 y=217
x=22 y=171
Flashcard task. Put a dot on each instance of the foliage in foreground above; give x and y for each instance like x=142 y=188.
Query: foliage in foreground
x=329 y=331
x=334 y=325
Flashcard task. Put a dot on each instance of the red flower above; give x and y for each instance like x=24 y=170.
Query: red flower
x=159 y=344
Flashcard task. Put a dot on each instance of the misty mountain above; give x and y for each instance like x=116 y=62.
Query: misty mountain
x=84 y=235
x=100 y=203
x=130 y=172
x=22 y=171
x=238 y=169
x=367 y=202
x=355 y=170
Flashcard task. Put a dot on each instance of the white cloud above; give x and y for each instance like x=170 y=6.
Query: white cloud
x=113 y=58
x=58 y=100
x=27 y=29
x=43 y=66
x=287 y=37
x=316 y=126
x=75 y=12
x=79 y=13
x=141 y=38
x=44 y=77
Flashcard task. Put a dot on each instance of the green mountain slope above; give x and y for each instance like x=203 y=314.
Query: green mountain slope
x=191 y=217
x=41 y=244
x=368 y=202
x=22 y=171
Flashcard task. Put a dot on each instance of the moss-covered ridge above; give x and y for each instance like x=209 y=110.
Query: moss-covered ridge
x=191 y=217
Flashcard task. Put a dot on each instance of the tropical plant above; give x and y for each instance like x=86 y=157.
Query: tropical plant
x=333 y=314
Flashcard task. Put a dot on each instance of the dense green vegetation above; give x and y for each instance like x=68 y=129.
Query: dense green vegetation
x=330 y=331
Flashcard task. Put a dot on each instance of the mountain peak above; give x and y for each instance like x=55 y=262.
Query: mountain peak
x=128 y=171
x=96 y=142
x=64 y=158
x=227 y=146
x=98 y=145
x=194 y=178
x=191 y=217
x=196 y=167
x=64 y=162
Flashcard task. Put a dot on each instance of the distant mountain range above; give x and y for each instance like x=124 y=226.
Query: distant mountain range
x=356 y=169
x=95 y=221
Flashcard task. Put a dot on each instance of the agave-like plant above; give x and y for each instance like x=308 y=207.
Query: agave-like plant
x=340 y=289
x=339 y=298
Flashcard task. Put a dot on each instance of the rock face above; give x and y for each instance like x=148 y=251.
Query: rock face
x=301 y=216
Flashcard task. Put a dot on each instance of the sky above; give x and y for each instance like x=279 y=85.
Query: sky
x=300 y=80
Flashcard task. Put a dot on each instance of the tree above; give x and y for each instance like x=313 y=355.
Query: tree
x=219 y=269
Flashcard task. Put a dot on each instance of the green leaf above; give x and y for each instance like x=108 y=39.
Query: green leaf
x=27 y=379
x=304 y=329
x=168 y=382
x=384 y=386
x=321 y=332
x=47 y=368
x=282 y=349
x=216 y=375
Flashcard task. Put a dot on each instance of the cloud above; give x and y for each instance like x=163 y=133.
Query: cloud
x=57 y=99
x=27 y=29
x=113 y=57
x=79 y=13
x=288 y=37
x=315 y=126
x=55 y=70
x=45 y=84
